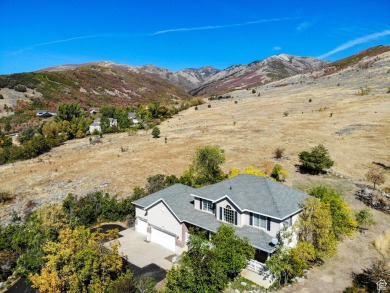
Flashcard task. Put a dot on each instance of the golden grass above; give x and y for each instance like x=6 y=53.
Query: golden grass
x=382 y=244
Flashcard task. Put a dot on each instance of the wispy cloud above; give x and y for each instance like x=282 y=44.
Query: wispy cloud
x=355 y=42
x=277 y=48
x=212 y=27
x=56 y=42
x=304 y=25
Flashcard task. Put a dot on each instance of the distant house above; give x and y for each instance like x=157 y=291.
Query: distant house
x=132 y=117
x=94 y=111
x=45 y=113
x=96 y=125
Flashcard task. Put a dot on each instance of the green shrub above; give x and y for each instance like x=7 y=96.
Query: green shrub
x=20 y=88
x=1 y=97
x=316 y=160
x=208 y=106
x=156 y=132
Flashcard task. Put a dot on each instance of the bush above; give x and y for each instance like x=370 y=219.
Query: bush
x=5 y=197
x=253 y=91
x=196 y=107
x=1 y=97
x=316 y=160
x=20 y=88
x=364 y=91
x=279 y=173
x=156 y=132
x=279 y=152
x=208 y=106
x=364 y=218
x=285 y=113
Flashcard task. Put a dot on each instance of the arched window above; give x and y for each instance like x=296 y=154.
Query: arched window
x=229 y=215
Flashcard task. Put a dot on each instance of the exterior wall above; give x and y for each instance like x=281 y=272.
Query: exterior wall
x=275 y=225
x=93 y=128
x=160 y=216
x=223 y=203
x=197 y=203
x=140 y=213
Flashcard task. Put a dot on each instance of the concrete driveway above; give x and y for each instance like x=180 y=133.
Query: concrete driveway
x=141 y=253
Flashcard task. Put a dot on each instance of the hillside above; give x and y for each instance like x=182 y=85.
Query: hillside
x=320 y=109
x=208 y=80
x=90 y=85
x=258 y=72
x=186 y=79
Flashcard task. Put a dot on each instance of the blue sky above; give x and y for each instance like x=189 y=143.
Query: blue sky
x=181 y=34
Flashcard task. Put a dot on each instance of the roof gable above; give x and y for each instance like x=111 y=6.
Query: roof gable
x=256 y=194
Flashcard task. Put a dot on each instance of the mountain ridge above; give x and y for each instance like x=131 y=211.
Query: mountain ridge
x=209 y=80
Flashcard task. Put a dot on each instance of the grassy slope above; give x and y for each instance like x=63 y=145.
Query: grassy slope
x=90 y=86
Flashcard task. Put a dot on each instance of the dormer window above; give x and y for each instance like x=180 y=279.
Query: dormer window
x=229 y=215
x=207 y=205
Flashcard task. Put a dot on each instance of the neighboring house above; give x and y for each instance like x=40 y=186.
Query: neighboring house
x=45 y=113
x=94 y=111
x=96 y=125
x=132 y=117
x=257 y=207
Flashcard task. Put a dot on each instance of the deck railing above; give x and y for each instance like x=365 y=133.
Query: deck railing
x=256 y=266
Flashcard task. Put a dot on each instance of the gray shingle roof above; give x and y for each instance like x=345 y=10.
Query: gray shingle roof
x=256 y=194
x=273 y=199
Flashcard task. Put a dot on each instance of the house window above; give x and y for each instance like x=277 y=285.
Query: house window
x=259 y=221
x=207 y=206
x=228 y=215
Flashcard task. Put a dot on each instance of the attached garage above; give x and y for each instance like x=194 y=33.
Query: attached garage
x=141 y=226
x=164 y=239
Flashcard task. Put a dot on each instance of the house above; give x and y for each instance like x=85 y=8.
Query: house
x=132 y=117
x=257 y=207
x=45 y=113
x=93 y=111
x=96 y=125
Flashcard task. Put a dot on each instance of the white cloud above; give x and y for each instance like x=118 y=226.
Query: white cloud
x=277 y=48
x=209 y=27
x=304 y=25
x=355 y=42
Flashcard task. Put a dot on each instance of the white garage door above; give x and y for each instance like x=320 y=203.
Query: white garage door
x=141 y=227
x=163 y=239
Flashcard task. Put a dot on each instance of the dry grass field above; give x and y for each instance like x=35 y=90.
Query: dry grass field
x=355 y=129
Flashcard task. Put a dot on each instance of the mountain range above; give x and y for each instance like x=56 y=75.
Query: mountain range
x=209 y=80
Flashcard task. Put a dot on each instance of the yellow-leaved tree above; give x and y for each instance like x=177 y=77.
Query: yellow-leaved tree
x=79 y=262
x=249 y=170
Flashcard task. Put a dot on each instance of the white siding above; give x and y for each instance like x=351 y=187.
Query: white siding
x=160 y=216
x=223 y=204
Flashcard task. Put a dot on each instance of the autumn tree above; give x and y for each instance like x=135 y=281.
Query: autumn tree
x=343 y=222
x=79 y=262
x=249 y=170
x=278 y=173
x=316 y=160
x=375 y=176
x=315 y=227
